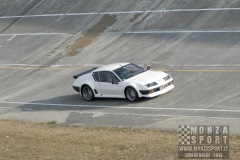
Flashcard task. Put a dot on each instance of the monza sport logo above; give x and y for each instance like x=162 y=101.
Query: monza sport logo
x=203 y=141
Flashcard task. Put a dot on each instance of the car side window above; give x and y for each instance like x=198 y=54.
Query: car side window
x=114 y=78
x=105 y=76
x=96 y=76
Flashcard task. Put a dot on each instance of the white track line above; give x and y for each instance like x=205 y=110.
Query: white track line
x=128 y=32
x=171 y=10
x=193 y=10
x=205 y=65
x=183 y=31
x=13 y=64
x=34 y=65
x=32 y=16
x=100 y=65
x=121 y=12
x=11 y=38
x=121 y=107
x=157 y=115
x=32 y=34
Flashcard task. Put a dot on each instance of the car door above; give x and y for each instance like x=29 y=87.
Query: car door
x=105 y=86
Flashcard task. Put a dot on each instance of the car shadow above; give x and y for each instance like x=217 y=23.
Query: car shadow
x=76 y=102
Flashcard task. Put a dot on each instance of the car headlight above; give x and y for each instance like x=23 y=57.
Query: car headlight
x=167 y=77
x=151 y=84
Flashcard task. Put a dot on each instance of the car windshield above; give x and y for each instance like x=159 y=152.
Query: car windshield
x=128 y=71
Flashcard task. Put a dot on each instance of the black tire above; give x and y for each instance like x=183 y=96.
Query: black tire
x=131 y=94
x=87 y=93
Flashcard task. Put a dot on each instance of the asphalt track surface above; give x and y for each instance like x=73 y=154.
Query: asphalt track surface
x=44 y=43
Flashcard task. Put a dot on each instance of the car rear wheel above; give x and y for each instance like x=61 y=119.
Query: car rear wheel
x=87 y=93
x=131 y=94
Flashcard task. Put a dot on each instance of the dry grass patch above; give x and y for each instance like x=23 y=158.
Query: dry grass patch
x=21 y=140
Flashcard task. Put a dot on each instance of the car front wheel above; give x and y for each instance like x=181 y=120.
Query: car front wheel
x=131 y=94
x=87 y=93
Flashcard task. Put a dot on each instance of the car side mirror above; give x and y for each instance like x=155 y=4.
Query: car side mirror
x=148 y=67
x=114 y=82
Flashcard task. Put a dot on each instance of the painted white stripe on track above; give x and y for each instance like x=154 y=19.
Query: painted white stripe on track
x=183 y=31
x=121 y=12
x=197 y=65
x=121 y=107
x=11 y=38
x=33 y=34
x=34 y=65
x=128 y=32
x=31 y=16
x=222 y=118
x=13 y=64
x=205 y=65
x=157 y=115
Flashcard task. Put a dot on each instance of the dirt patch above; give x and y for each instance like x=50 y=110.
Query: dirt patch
x=91 y=35
x=50 y=141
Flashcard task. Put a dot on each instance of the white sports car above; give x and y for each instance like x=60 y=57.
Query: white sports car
x=122 y=80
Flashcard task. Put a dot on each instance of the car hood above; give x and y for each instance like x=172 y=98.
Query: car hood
x=148 y=77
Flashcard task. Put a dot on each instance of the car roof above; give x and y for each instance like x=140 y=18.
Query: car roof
x=110 y=67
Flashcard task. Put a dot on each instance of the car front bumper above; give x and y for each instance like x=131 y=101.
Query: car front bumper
x=157 y=91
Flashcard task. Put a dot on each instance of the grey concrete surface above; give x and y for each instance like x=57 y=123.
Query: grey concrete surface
x=36 y=67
